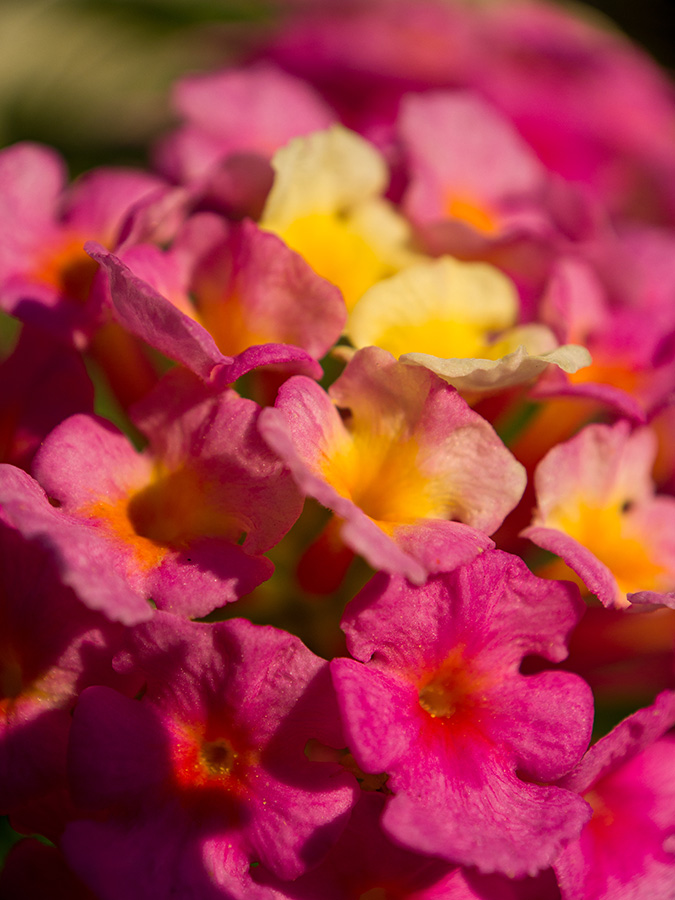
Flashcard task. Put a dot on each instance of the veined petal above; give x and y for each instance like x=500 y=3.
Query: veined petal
x=438 y=703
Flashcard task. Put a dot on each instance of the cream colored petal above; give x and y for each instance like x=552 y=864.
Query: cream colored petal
x=488 y=375
x=435 y=304
x=536 y=339
x=323 y=173
x=387 y=232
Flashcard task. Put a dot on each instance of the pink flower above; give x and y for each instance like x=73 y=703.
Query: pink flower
x=237 y=113
x=207 y=773
x=597 y=510
x=633 y=367
x=419 y=479
x=184 y=523
x=46 y=275
x=51 y=647
x=225 y=300
x=434 y=698
x=473 y=180
x=626 y=850
x=79 y=559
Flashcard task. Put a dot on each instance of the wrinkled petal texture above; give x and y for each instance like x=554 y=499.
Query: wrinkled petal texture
x=409 y=452
x=626 y=850
x=184 y=522
x=437 y=702
x=216 y=747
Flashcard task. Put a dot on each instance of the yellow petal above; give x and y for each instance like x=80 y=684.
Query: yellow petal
x=443 y=307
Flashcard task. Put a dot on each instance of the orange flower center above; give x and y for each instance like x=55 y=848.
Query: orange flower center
x=67 y=268
x=452 y=690
x=211 y=763
x=168 y=513
x=472 y=213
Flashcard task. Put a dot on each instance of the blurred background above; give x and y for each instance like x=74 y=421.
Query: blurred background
x=91 y=77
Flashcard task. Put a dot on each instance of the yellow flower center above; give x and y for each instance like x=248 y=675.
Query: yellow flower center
x=380 y=474
x=224 y=317
x=337 y=252
x=208 y=761
x=607 y=533
x=217 y=757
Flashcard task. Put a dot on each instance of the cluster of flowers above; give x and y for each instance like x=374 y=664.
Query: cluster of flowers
x=467 y=213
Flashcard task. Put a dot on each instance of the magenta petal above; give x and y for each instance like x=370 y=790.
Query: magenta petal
x=494 y=606
x=258 y=689
x=595 y=574
x=439 y=705
x=117 y=749
x=653 y=598
x=148 y=315
x=206 y=576
x=480 y=814
x=293 y=825
x=161 y=858
x=627 y=848
x=459 y=800
x=86 y=458
x=629 y=738
x=85 y=563
x=544 y=746
x=268 y=355
x=442 y=546
x=366 y=697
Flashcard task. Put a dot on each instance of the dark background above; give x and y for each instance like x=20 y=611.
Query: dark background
x=649 y=22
